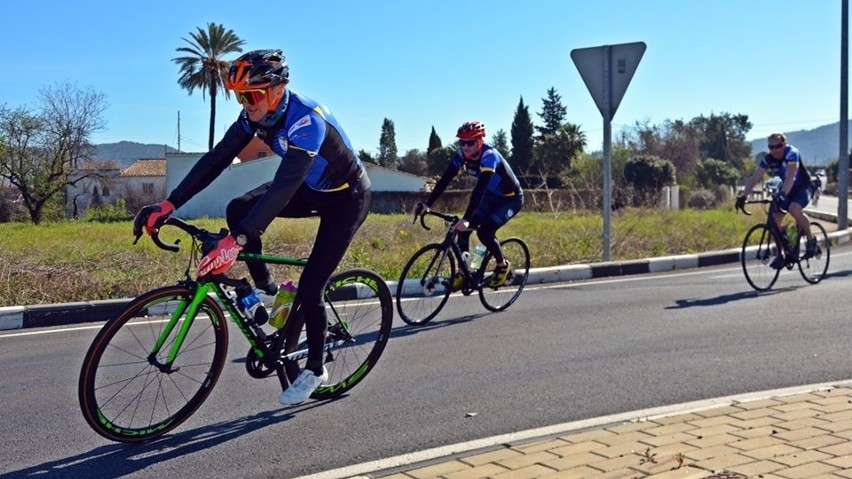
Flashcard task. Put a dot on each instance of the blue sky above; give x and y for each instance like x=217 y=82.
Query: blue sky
x=438 y=62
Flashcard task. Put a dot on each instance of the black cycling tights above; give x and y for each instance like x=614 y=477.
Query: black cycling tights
x=487 y=233
x=341 y=214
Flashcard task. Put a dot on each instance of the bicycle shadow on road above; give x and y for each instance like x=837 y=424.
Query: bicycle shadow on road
x=119 y=460
x=838 y=274
x=725 y=298
x=407 y=330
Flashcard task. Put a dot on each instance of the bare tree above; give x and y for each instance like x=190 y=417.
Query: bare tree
x=39 y=149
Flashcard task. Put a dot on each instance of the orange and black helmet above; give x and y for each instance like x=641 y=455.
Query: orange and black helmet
x=471 y=130
x=258 y=69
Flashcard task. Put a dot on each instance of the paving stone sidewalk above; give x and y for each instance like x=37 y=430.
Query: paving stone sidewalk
x=800 y=436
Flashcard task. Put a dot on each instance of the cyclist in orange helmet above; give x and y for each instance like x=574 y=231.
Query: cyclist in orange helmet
x=496 y=198
x=320 y=175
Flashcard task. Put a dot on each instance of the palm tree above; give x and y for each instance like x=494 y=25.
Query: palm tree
x=204 y=68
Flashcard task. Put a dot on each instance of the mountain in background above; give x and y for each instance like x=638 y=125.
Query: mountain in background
x=125 y=153
x=818 y=146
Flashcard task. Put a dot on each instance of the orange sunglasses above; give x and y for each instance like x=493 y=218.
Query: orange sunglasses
x=249 y=97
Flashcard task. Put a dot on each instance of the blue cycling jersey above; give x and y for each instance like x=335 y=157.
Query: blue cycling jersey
x=502 y=183
x=314 y=149
x=777 y=167
x=303 y=124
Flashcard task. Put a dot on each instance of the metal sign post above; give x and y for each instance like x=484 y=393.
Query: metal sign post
x=606 y=71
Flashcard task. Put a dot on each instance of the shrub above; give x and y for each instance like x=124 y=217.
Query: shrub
x=109 y=213
x=701 y=199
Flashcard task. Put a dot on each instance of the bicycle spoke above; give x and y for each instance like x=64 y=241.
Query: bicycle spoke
x=362 y=323
x=813 y=268
x=126 y=398
x=757 y=256
x=500 y=297
x=424 y=285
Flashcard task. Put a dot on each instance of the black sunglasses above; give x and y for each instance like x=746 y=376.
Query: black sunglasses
x=775 y=147
x=467 y=142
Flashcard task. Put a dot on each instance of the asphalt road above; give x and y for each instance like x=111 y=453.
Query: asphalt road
x=563 y=352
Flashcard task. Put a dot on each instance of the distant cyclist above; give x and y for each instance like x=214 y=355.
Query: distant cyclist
x=319 y=175
x=496 y=198
x=785 y=162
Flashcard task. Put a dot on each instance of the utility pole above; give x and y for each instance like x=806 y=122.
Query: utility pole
x=843 y=157
x=178 y=131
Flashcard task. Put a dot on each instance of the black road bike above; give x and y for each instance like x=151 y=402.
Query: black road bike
x=426 y=281
x=765 y=242
x=151 y=367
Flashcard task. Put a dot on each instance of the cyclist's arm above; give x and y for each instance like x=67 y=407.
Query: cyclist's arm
x=450 y=173
x=303 y=145
x=790 y=177
x=753 y=179
x=212 y=164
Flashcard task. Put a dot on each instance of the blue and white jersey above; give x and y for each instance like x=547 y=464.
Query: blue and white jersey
x=778 y=167
x=503 y=183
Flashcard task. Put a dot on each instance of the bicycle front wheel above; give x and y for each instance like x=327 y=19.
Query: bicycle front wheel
x=425 y=284
x=758 y=253
x=813 y=269
x=359 y=311
x=498 y=298
x=127 y=391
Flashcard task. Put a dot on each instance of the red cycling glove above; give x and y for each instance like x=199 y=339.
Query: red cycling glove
x=221 y=258
x=149 y=215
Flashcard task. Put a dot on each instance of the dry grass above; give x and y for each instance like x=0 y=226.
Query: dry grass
x=80 y=261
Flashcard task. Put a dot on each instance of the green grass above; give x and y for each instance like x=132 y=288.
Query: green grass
x=81 y=261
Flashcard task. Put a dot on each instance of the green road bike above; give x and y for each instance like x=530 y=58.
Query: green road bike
x=764 y=242
x=426 y=281
x=152 y=366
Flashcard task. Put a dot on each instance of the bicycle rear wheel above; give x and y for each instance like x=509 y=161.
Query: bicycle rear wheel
x=813 y=269
x=758 y=253
x=425 y=284
x=126 y=392
x=359 y=311
x=499 y=298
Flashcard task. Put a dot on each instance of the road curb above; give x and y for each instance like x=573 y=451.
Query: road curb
x=408 y=461
x=44 y=315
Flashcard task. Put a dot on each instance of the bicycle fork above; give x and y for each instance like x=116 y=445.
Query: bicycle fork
x=191 y=310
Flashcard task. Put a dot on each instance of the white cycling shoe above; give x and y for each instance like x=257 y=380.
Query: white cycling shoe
x=306 y=383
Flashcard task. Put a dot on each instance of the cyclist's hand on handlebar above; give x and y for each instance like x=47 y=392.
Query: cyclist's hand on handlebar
x=150 y=215
x=219 y=256
x=420 y=209
x=781 y=200
x=740 y=204
x=462 y=225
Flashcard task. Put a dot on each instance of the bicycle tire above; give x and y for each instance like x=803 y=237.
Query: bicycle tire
x=758 y=252
x=419 y=299
x=362 y=300
x=515 y=250
x=813 y=269
x=126 y=398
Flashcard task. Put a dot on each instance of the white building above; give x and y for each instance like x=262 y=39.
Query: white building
x=241 y=177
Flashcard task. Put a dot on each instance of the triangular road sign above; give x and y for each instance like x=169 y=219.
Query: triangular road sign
x=607 y=70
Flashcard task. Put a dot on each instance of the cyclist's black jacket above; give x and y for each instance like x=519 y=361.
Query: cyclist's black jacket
x=314 y=151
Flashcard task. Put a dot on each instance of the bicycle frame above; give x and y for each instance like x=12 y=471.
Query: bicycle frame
x=790 y=250
x=475 y=278
x=257 y=338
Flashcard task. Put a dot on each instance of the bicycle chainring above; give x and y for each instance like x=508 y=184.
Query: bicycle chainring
x=255 y=366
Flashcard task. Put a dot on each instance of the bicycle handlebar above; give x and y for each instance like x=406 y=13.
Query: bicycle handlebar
x=198 y=233
x=447 y=218
x=748 y=202
x=762 y=201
